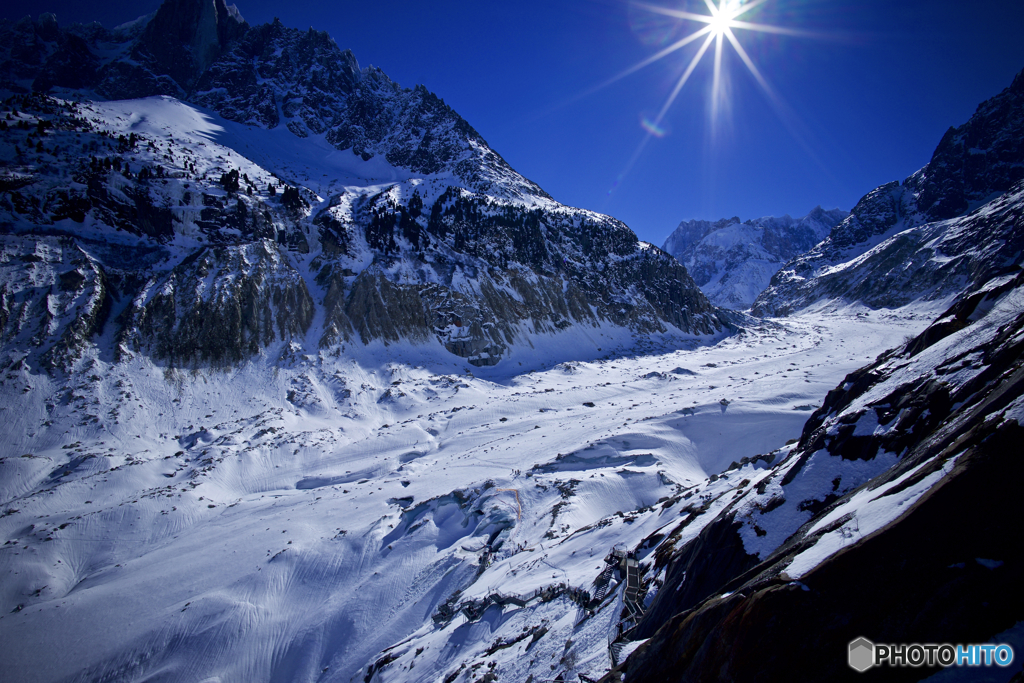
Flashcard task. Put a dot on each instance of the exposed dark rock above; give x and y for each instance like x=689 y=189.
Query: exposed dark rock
x=72 y=66
x=697 y=572
x=929 y=262
x=981 y=157
x=255 y=298
x=186 y=36
x=915 y=581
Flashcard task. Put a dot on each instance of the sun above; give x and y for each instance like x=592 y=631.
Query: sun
x=721 y=17
x=718 y=27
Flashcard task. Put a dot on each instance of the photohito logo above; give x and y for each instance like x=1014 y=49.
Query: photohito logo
x=863 y=654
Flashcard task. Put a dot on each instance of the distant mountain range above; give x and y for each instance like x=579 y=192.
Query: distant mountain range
x=733 y=261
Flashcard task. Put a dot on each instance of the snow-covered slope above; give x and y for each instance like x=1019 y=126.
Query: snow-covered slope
x=892 y=249
x=732 y=261
x=890 y=519
x=302 y=520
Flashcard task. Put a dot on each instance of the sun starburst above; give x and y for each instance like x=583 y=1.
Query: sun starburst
x=719 y=23
x=718 y=28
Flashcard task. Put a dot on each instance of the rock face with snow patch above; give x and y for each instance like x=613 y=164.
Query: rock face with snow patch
x=732 y=261
x=894 y=246
x=220 y=305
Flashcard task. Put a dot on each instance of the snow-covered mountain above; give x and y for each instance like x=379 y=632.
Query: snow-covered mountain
x=732 y=261
x=339 y=396
x=930 y=236
x=314 y=201
x=267 y=76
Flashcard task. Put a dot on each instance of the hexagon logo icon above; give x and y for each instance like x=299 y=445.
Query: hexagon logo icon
x=861 y=654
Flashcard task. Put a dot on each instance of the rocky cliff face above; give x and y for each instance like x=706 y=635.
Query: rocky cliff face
x=733 y=261
x=235 y=257
x=973 y=164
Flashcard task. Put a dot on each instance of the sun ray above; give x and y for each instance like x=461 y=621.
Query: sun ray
x=768 y=28
x=678 y=45
x=685 y=77
x=717 y=83
x=750 y=63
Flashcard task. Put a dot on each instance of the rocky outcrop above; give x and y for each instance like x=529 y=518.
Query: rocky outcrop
x=732 y=261
x=464 y=251
x=982 y=157
x=973 y=164
x=186 y=36
x=54 y=298
x=219 y=306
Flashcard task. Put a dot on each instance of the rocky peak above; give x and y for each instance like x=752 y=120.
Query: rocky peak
x=875 y=214
x=972 y=166
x=187 y=36
x=984 y=156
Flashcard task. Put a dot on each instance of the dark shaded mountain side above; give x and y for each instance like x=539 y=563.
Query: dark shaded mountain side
x=916 y=581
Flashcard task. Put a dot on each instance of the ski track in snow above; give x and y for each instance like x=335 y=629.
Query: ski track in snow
x=293 y=522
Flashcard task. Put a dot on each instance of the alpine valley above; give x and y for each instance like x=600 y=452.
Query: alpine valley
x=303 y=382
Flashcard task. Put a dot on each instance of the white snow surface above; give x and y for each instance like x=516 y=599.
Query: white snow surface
x=291 y=520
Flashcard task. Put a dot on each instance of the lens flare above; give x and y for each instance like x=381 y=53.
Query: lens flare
x=652 y=128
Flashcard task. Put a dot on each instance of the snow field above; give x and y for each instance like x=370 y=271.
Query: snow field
x=296 y=521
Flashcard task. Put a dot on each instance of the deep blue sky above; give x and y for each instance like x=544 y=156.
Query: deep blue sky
x=869 y=99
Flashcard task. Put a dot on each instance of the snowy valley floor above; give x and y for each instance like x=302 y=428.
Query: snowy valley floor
x=292 y=523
